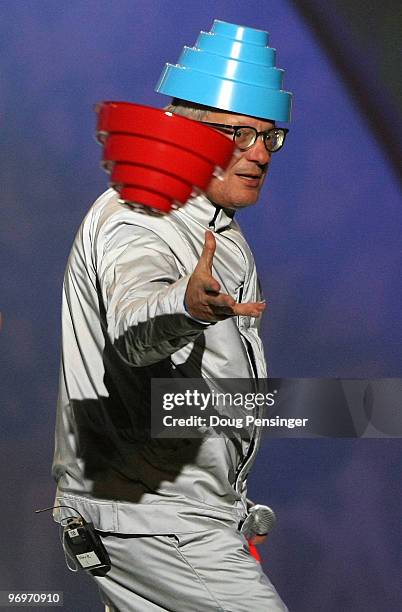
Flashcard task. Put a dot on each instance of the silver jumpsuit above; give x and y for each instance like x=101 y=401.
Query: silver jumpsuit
x=168 y=513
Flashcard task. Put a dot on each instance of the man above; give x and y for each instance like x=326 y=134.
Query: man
x=175 y=296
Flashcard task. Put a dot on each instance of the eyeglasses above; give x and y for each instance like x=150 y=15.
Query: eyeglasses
x=244 y=136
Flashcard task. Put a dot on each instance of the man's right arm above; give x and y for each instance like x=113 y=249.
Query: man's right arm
x=148 y=299
x=143 y=293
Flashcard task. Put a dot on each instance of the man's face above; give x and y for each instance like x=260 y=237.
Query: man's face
x=246 y=172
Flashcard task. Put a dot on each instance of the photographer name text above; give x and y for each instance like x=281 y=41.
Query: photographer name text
x=214 y=420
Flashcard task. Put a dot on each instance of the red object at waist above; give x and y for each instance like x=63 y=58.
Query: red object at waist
x=254 y=552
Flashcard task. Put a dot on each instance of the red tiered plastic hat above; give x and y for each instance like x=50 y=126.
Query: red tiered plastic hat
x=155 y=158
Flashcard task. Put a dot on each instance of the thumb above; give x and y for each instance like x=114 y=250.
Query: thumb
x=208 y=251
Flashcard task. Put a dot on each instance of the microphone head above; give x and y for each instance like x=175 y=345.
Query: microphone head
x=260 y=521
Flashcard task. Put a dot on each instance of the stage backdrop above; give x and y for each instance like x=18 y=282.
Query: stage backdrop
x=326 y=235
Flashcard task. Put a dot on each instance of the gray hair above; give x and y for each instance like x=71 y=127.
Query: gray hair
x=192 y=110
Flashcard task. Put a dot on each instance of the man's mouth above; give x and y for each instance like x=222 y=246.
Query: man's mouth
x=251 y=179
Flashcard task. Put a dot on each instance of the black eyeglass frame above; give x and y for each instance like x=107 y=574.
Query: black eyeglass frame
x=264 y=133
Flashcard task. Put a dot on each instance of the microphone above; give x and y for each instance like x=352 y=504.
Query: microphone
x=260 y=521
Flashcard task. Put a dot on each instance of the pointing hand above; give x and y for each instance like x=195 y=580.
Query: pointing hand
x=203 y=299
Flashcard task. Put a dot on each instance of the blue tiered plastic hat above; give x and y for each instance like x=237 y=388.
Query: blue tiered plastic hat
x=231 y=68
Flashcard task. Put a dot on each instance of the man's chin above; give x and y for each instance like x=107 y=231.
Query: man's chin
x=246 y=200
x=241 y=204
x=241 y=198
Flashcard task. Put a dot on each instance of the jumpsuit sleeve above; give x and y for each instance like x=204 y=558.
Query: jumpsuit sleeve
x=143 y=287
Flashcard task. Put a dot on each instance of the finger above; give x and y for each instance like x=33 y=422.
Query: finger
x=217 y=307
x=212 y=287
x=246 y=308
x=209 y=284
x=249 y=309
x=220 y=302
x=208 y=251
x=225 y=304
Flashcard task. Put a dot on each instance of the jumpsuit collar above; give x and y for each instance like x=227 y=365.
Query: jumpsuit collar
x=208 y=214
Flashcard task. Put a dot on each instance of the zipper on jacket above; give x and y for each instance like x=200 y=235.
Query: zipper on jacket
x=239 y=300
x=251 y=357
x=256 y=432
x=255 y=437
x=249 y=350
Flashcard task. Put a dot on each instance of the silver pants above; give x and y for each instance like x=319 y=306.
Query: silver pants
x=194 y=572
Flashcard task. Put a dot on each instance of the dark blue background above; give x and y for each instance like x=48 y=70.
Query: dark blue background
x=326 y=236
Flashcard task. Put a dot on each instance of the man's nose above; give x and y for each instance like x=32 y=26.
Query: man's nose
x=258 y=152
